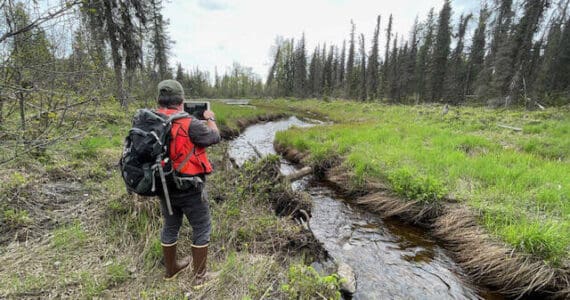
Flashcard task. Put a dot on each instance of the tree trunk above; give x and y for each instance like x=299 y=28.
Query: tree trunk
x=115 y=48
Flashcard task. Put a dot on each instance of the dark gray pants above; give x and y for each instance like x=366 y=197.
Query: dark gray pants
x=192 y=204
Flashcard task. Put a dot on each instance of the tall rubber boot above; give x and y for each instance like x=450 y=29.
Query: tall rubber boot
x=199 y=261
x=173 y=266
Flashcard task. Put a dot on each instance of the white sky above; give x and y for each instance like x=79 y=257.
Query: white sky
x=210 y=33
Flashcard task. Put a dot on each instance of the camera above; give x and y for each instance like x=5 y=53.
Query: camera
x=196 y=108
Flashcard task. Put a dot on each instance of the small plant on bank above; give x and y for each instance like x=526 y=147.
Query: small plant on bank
x=117 y=273
x=69 y=237
x=409 y=184
x=304 y=282
x=16 y=218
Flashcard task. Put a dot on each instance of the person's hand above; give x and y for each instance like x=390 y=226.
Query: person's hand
x=208 y=114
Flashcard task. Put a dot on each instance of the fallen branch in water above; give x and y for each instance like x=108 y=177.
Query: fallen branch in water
x=257 y=152
x=299 y=174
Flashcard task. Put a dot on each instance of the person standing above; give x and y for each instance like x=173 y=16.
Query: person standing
x=187 y=152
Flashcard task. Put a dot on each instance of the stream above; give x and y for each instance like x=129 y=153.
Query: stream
x=390 y=259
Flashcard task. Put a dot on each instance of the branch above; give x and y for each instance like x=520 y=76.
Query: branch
x=510 y=127
x=40 y=20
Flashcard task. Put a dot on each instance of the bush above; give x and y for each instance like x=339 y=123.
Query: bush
x=305 y=283
x=406 y=182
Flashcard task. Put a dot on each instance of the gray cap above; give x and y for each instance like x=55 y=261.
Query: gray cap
x=170 y=87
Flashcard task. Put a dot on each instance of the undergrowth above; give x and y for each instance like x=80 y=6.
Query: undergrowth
x=69 y=228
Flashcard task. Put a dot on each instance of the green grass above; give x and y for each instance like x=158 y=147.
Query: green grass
x=69 y=236
x=228 y=115
x=14 y=217
x=518 y=180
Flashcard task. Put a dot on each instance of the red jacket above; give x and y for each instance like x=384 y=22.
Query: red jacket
x=182 y=148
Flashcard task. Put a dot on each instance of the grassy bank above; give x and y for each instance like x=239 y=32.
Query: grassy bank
x=69 y=229
x=516 y=180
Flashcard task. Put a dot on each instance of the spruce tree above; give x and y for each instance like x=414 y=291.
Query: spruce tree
x=350 y=73
x=477 y=54
x=362 y=91
x=441 y=52
x=159 y=41
x=522 y=50
x=328 y=72
x=548 y=75
x=410 y=62
x=385 y=64
x=300 y=79
x=501 y=55
x=394 y=73
x=457 y=72
x=424 y=58
x=373 y=63
x=341 y=67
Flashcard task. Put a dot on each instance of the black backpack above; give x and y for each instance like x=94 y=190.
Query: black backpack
x=145 y=150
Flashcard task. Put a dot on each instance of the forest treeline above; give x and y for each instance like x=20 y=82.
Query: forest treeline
x=511 y=53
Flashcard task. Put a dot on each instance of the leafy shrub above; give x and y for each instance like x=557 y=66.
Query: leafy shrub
x=306 y=283
x=16 y=217
x=406 y=182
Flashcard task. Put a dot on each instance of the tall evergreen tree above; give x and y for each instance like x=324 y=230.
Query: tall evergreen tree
x=549 y=74
x=441 y=52
x=373 y=63
x=159 y=40
x=315 y=73
x=274 y=65
x=562 y=69
x=394 y=73
x=362 y=91
x=500 y=61
x=299 y=85
x=409 y=80
x=122 y=23
x=328 y=72
x=424 y=58
x=523 y=45
x=477 y=54
x=341 y=66
x=457 y=72
x=350 y=73
x=385 y=64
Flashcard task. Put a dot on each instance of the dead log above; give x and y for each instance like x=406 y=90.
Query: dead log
x=299 y=174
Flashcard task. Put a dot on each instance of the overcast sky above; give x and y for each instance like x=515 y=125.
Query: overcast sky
x=210 y=33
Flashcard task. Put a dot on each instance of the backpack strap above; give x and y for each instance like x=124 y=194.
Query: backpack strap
x=177 y=116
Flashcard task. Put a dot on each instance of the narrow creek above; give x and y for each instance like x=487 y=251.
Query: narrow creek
x=391 y=260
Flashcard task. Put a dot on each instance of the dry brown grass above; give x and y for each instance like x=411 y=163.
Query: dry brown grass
x=493 y=263
x=488 y=261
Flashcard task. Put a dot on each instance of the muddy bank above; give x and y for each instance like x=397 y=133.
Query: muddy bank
x=488 y=261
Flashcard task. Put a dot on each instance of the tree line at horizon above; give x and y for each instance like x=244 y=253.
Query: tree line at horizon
x=518 y=54
x=513 y=52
